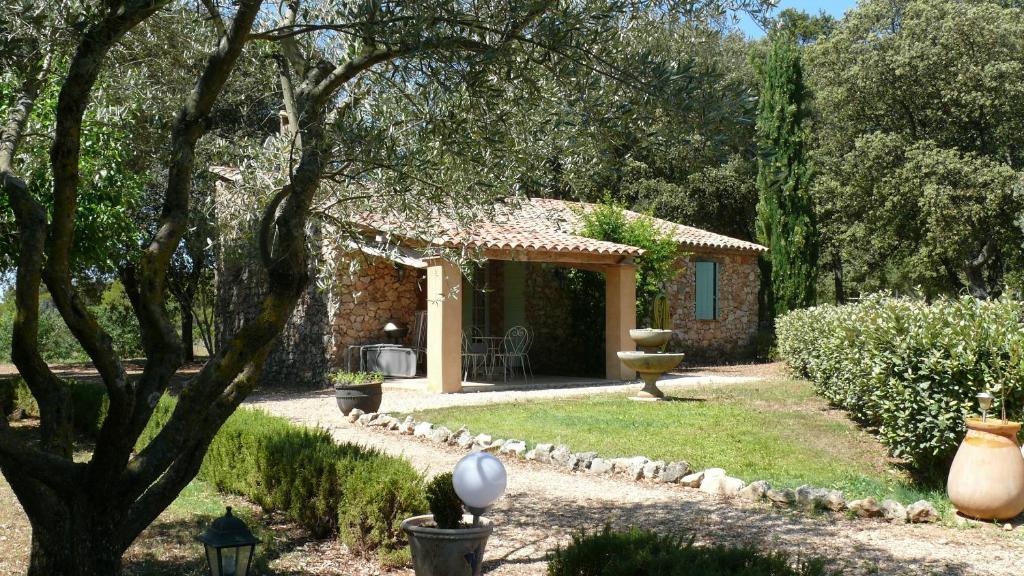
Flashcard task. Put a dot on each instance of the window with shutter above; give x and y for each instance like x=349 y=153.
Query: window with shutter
x=707 y=290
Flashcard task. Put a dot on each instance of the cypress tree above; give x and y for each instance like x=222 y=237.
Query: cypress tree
x=785 y=213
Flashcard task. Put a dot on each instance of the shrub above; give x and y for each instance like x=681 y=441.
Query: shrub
x=88 y=403
x=343 y=378
x=378 y=494
x=634 y=551
x=909 y=369
x=315 y=482
x=445 y=504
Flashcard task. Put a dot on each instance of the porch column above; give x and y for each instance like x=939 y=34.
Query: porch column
x=619 y=318
x=444 y=326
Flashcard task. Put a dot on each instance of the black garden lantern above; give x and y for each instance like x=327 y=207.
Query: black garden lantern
x=230 y=546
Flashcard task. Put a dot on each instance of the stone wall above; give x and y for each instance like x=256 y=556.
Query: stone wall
x=298 y=358
x=374 y=293
x=731 y=335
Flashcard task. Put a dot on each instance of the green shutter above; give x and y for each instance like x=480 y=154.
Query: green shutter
x=707 y=290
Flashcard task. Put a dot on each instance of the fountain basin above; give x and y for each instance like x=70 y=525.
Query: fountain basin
x=650 y=337
x=650 y=366
x=644 y=362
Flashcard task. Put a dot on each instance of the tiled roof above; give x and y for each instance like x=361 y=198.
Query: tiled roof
x=538 y=225
x=567 y=214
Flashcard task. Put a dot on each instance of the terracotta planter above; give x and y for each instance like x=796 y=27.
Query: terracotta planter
x=440 y=552
x=986 y=480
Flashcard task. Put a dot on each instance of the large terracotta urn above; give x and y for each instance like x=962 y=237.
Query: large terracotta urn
x=986 y=480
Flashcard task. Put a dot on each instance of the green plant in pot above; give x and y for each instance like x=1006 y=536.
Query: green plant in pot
x=448 y=541
x=360 y=390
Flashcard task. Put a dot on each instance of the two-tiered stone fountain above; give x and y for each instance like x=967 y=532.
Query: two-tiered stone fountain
x=649 y=362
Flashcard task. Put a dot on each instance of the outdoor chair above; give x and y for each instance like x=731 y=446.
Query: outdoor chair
x=474 y=355
x=515 y=354
x=419 y=336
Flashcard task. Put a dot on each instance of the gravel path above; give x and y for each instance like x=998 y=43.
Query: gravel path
x=544 y=506
x=403 y=396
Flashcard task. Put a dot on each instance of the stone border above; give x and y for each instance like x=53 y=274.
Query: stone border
x=712 y=481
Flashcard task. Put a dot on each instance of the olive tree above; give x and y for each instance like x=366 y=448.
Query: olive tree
x=382 y=99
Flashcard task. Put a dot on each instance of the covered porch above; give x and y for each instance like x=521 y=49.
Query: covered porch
x=500 y=295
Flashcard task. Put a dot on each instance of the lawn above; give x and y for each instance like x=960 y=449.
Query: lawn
x=775 y=430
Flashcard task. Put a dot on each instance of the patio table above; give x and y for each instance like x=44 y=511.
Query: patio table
x=493 y=348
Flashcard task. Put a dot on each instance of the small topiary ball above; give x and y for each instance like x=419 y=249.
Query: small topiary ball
x=444 y=502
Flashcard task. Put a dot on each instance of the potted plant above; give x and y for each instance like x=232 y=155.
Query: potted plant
x=360 y=390
x=449 y=542
x=986 y=479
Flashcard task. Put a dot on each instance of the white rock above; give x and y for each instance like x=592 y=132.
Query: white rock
x=366 y=419
x=514 y=447
x=440 y=435
x=422 y=429
x=632 y=467
x=653 y=469
x=894 y=511
x=722 y=485
x=673 y=472
x=354 y=414
x=581 y=460
x=835 y=501
x=865 y=508
x=783 y=497
x=560 y=455
x=712 y=472
x=692 y=480
x=407 y=426
x=810 y=498
x=601 y=466
x=544 y=452
x=482 y=441
x=922 y=511
x=755 y=491
x=464 y=440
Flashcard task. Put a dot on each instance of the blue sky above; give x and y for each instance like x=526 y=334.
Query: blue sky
x=833 y=7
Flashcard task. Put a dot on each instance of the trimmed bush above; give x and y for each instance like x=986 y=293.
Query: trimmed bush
x=910 y=369
x=634 y=551
x=445 y=504
x=315 y=482
x=377 y=495
x=88 y=402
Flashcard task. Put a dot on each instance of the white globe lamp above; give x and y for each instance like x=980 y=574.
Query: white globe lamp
x=479 y=480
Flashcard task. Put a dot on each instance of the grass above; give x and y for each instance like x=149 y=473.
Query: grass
x=775 y=430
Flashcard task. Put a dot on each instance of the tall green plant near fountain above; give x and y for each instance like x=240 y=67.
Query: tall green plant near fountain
x=660 y=317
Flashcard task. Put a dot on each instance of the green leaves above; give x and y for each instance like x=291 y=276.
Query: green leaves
x=656 y=268
x=919 y=144
x=910 y=369
x=785 y=214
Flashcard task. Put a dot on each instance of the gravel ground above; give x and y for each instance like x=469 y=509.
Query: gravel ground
x=402 y=396
x=544 y=507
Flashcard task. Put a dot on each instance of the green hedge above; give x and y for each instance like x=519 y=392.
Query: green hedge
x=635 y=551
x=908 y=368
x=316 y=482
x=88 y=402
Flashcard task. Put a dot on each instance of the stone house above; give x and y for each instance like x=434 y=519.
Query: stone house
x=523 y=252
x=526 y=251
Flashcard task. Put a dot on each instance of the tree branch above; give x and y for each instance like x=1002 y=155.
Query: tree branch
x=160 y=339
x=30 y=216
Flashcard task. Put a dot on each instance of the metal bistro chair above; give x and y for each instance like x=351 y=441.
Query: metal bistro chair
x=418 y=337
x=474 y=354
x=515 y=354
